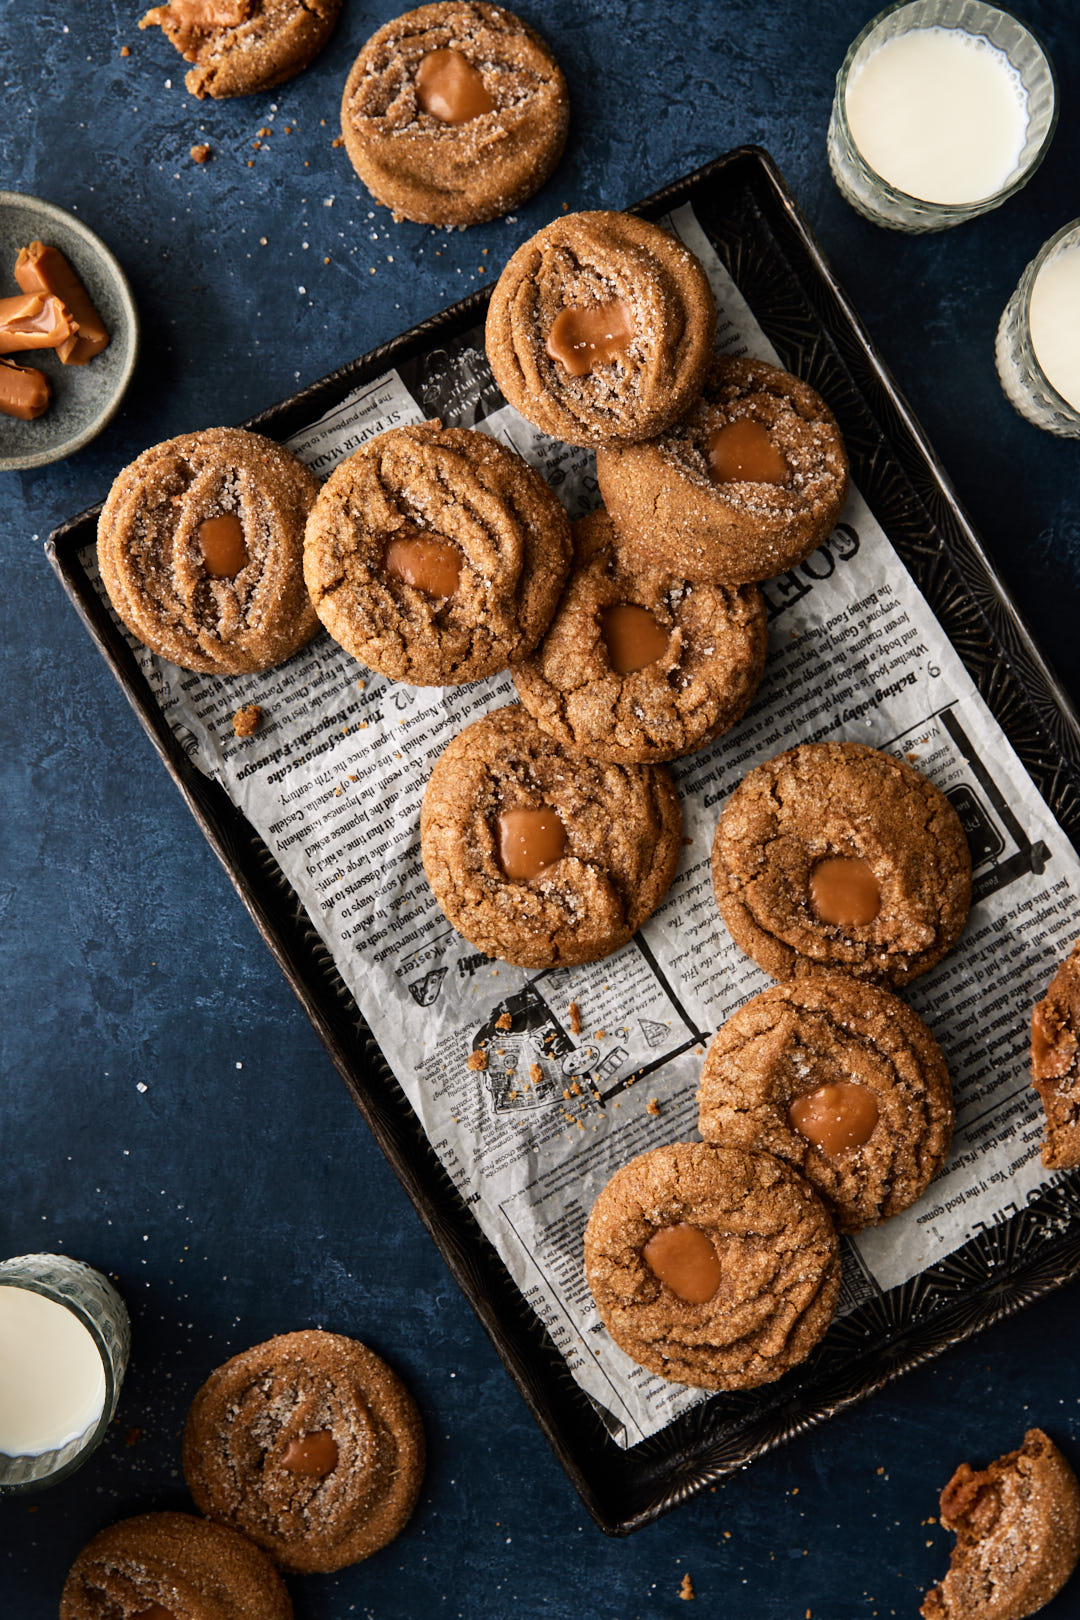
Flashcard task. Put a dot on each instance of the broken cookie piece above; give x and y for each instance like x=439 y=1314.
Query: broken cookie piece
x=1017 y=1525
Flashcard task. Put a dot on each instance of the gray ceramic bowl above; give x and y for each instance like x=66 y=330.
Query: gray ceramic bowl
x=84 y=398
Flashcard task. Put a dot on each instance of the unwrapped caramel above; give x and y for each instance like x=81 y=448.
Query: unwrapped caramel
x=31 y=321
x=44 y=270
x=24 y=391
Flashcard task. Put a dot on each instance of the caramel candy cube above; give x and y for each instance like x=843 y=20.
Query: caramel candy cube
x=43 y=269
x=24 y=391
x=33 y=322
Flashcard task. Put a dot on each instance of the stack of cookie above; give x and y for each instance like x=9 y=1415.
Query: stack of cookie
x=841 y=871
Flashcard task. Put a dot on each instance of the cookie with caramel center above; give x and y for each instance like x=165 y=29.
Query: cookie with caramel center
x=1055 y=1063
x=638 y=664
x=743 y=487
x=172 y=1566
x=240 y=46
x=713 y=1266
x=309 y=1444
x=436 y=555
x=541 y=856
x=454 y=113
x=201 y=546
x=600 y=328
x=835 y=855
x=842 y=1081
x=1017 y=1526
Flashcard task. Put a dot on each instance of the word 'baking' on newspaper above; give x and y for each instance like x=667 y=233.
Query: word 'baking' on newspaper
x=333 y=781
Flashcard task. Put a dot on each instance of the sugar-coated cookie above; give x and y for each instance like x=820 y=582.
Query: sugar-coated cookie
x=600 y=328
x=310 y=1445
x=239 y=46
x=454 y=113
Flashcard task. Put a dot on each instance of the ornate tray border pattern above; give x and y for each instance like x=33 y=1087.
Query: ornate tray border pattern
x=753 y=221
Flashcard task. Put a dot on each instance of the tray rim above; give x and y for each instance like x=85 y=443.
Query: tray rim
x=1024 y=1283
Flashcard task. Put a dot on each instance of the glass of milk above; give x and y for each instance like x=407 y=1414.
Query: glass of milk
x=64 y=1343
x=1038 y=337
x=943 y=109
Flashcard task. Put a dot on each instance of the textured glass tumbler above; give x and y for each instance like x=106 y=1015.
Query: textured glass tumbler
x=95 y=1303
x=1025 y=382
x=872 y=196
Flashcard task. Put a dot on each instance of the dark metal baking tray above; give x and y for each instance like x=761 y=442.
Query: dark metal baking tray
x=747 y=211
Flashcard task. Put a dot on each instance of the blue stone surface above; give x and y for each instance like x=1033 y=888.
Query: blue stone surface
x=166 y=1111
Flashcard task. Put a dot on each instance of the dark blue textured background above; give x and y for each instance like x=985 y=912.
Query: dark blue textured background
x=239 y=1194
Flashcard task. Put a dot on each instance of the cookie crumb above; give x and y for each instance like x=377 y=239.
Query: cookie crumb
x=686 y=1590
x=477 y=1060
x=504 y=1021
x=536 y=1073
x=199 y=154
x=338 y=140
x=133 y=1437
x=652 y=1107
x=246 y=720
x=125 y=50
x=575 y=1018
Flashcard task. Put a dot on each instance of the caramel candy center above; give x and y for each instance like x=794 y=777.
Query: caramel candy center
x=582 y=338
x=632 y=637
x=844 y=890
x=529 y=842
x=450 y=89
x=743 y=450
x=314 y=1455
x=836 y=1119
x=432 y=566
x=223 y=545
x=685 y=1261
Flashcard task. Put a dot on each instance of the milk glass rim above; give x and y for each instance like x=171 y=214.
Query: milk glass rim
x=959 y=211
x=1026 y=288
x=93 y=1438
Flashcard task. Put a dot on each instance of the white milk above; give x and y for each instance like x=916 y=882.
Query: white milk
x=1055 y=322
x=939 y=114
x=52 y=1380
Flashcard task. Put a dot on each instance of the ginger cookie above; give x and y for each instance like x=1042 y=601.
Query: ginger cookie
x=1018 y=1535
x=600 y=329
x=835 y=855
x=454 y=113
x=201 y=547
x=712 y=1265
x=538 y=855
x=841 y=1080
x=310 y=1445
x=749 y=482
x=1055 y=1063
x=238 y=46
x=172 y=1566
x=639 y=665
x=436 y=555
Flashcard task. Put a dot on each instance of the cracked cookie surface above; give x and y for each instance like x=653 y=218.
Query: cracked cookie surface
x=864 y=1076
x=239 y=46
x=675 y=513
x=1017 y=1525
x=310 y=1445
x=1055 y=1063
x=621 y=826
x=698 y=686
x=175 y=1567
x=766 y=1237
x=492 y=515
x=586 y=264
x=243 y=609
x=841 y=808
x=478 y=149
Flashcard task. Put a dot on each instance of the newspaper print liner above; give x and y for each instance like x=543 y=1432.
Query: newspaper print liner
x=753 y=224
